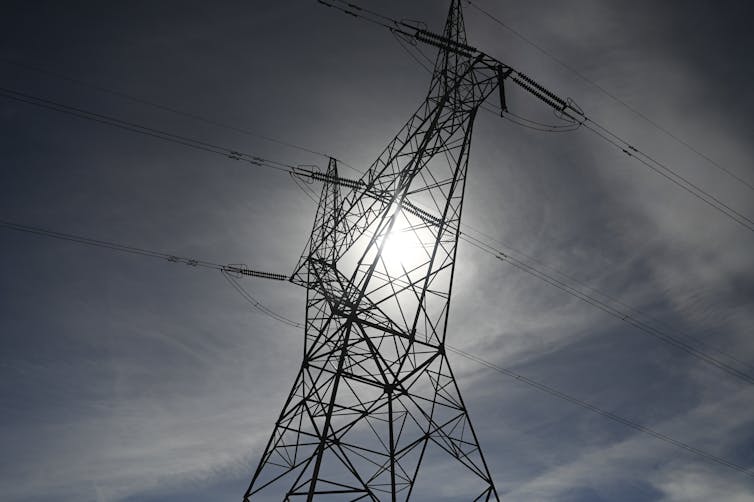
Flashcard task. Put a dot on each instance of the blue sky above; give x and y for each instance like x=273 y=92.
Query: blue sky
x=132 y=379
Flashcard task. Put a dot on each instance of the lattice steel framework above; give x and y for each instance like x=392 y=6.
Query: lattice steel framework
x=375 y=398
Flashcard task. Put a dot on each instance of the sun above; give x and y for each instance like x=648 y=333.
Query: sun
x=402 y=248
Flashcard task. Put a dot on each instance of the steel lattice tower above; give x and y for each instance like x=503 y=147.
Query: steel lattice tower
x=375 y=397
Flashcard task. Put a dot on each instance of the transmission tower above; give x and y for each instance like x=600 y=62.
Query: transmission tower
x=375 y=398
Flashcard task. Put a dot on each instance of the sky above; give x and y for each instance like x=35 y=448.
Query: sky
x=133 y=379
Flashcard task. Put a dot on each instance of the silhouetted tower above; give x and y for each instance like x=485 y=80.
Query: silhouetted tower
x=375 y=398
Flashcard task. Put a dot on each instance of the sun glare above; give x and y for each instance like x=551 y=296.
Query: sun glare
x=402 y=248
x=397 y=247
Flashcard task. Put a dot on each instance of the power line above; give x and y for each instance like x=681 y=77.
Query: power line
x=612 y=96
x=605 y=134
x=124 y=248
x=256 y=304
x=612 y=306
x=310 y=194
x=607 y=414
x=669 y=174
x=228 y=272
x=535 y=125
x=297 y=170
x=153 y=104
x=617 y=313
x=583 y=286
x=144 y=130
x=247 y=158
x=565 y=108
x=159 y=106
x=552 y=391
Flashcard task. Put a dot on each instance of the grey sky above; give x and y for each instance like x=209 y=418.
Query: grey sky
x=130 y=379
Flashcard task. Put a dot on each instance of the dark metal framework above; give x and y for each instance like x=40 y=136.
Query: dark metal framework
x=375 y=398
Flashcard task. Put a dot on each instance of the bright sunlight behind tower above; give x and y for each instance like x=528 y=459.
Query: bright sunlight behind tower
x=403 y=248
